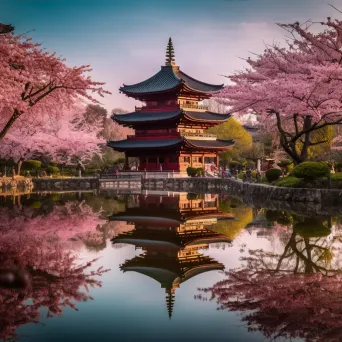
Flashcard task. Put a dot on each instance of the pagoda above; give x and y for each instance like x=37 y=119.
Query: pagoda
x=170 y=126
x=171 y=231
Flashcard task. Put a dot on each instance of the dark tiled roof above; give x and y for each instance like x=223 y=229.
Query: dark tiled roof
x=207 y=116
x=124 y=145
x=209 y=144
x=167 y=79
x=163 y=80
x=137 y=117
x=198 y=85
x=145 y=117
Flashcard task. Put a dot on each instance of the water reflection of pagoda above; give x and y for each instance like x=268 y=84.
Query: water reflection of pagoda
x=170 y=231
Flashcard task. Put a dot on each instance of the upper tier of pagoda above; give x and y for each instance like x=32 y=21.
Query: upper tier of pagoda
x=170 y=79
x=159 y=118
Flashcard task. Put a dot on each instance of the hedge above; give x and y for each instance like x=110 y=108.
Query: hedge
x=194 y=172
x=53 y=170
x=32 y=164
x=311 y=170
x=289 y=182
x=273 y=174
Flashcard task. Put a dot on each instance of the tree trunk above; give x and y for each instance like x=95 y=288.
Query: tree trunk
x=9 y=123
x=20 y=162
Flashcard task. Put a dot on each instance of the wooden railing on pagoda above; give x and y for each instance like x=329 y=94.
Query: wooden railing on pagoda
x=193 y=106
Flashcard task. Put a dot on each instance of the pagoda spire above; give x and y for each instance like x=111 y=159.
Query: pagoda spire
x=170 y=301
x=170 y=54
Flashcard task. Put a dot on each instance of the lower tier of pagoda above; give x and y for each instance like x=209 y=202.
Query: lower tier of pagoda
x=172 y=154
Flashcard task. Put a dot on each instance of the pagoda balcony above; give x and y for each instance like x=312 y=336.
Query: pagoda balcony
x=199 y=136
x=193 y=106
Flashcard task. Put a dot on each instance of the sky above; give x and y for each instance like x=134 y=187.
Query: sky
x=125 y=40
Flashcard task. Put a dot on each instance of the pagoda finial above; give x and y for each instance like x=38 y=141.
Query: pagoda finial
x=170 y=53
x=170 y=300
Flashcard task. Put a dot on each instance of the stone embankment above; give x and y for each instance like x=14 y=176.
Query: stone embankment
x=66 y=184
x=257 y=195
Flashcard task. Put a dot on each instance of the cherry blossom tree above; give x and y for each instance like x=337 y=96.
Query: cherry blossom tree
x=61 y=139
x=35 y=83
x=296 y=90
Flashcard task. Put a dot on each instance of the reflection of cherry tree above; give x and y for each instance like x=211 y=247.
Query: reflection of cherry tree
x=66 y=224
x=35 y=264
x=294 y=294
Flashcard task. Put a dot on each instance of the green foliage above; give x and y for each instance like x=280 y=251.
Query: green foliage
x=311 y=227
x=32 y=164
x=336 y=177
x=285 y=164
x=234 y=164
x=250 y=164
x=195 y=172
x=36 y=204
x=232 y=129
x=338 y=166
x=192 y=196
x=289 y=182
x=240 y=175
x=119 y=161
x=273 y=174
x=53 y=170
x=92 y=171
x=311 y=170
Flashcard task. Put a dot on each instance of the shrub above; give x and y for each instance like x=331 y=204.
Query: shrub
x=240 y=175
x=92 y=171
x=53 y=170
x=289 y=182
x=195 y=172
x=311 y=227
x=200 y=172
x=311 y=170
x=191 y=196
x=273 y=174
x=336 y=177
x=191 y=171
x=285 y=165
x=32 y=164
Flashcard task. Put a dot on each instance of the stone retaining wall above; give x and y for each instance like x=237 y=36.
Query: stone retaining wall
x=257 y=195
x=57 y=184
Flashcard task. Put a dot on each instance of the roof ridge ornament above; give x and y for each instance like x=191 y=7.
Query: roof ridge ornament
x=170 y=54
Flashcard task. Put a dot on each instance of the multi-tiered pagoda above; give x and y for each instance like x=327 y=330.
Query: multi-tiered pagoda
x=171 y=231
x=170 y=127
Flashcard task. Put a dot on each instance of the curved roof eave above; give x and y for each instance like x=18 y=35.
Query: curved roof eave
x=188 y=116
x=208 y=144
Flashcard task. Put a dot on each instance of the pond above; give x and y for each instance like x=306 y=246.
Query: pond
x=166 y=267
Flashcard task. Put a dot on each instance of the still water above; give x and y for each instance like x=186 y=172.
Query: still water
x=166 y=267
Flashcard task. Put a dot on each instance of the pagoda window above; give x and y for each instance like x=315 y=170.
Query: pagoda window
x=186 y=159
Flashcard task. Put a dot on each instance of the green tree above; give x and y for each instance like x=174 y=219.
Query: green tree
x=232 y=129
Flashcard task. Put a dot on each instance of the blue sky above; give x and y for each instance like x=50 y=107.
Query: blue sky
x=125 y=40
